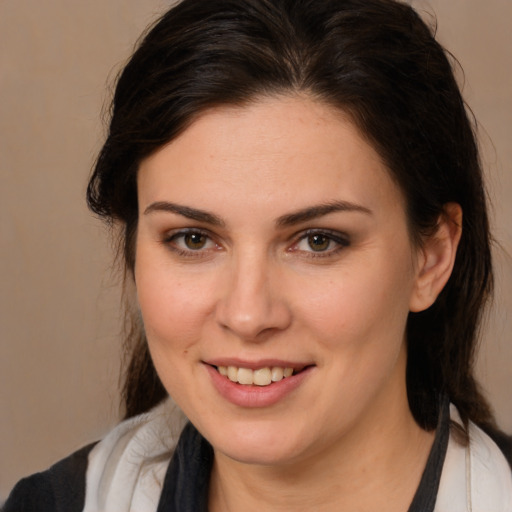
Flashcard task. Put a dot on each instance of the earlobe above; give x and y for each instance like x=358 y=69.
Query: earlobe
x=436 y=258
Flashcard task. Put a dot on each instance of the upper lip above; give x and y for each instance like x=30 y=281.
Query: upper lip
x=255 y=365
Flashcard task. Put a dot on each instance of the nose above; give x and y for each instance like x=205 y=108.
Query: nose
x=252 y=304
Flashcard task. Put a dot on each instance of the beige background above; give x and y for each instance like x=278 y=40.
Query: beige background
x=59 y=344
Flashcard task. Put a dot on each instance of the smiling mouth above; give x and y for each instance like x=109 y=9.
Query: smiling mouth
x=260 y=377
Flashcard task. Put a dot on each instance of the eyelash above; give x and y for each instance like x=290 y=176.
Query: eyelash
x=170 y=242
x=340 y=240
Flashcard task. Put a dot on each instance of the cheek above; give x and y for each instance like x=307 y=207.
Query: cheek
x=174 y=311
x=174 y=308
x=364 y=304
x=358 y=324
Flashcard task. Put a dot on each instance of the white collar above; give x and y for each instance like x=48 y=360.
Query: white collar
x=476 y=478
x=126 y=470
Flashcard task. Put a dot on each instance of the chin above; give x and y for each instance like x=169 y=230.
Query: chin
x=258 y=444
x=257 y=455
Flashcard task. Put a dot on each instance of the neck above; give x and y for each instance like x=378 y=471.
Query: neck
x=376 y=466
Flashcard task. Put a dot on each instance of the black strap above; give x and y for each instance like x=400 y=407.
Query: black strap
x=187 y=478
x=425 y=498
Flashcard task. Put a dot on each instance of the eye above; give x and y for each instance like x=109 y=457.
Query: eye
x=190 y=241
x=321 y=243
x=318 y=242
x=194 y=241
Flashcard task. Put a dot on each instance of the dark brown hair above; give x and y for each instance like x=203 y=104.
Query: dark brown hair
x=375 y=60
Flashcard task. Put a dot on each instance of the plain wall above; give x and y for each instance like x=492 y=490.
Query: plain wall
x=60 y=343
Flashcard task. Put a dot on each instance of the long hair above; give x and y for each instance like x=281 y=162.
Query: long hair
x=380 y=64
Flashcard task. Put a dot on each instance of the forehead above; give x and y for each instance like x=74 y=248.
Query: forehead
x=281 y=149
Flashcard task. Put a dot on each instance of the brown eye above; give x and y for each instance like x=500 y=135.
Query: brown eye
x=195 y=241
x=318 y=242
x=191 y=243
x=321 y=243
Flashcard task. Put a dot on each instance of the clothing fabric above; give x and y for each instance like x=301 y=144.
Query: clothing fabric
x=59 y=489
x=158 y=462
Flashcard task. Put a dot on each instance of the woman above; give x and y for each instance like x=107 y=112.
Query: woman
x=302 y=213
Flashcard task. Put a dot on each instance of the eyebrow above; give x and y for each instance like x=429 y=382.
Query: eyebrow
x=313 y=212
x=185 y=211
x=287 y=220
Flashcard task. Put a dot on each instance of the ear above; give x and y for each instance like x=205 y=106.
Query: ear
x=436 y=258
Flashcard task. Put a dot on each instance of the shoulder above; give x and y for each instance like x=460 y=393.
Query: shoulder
x=60 y=488
x=476 y=477
x=127 y=468
x=124 y=471
x=504 y=442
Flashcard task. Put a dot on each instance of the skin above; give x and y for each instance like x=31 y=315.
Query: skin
x=253 y=286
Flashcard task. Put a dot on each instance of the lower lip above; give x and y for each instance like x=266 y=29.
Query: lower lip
x=256 y=396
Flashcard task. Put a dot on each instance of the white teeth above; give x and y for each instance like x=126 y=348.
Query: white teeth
x=277 y=373
x=233 y=373
x=260 y=377
x=245 y=376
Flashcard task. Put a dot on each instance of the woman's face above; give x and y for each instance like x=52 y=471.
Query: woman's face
x=270 y=238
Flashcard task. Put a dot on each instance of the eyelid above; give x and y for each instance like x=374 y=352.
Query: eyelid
x=174 y=233
x=341 y=239
x=170 y=236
